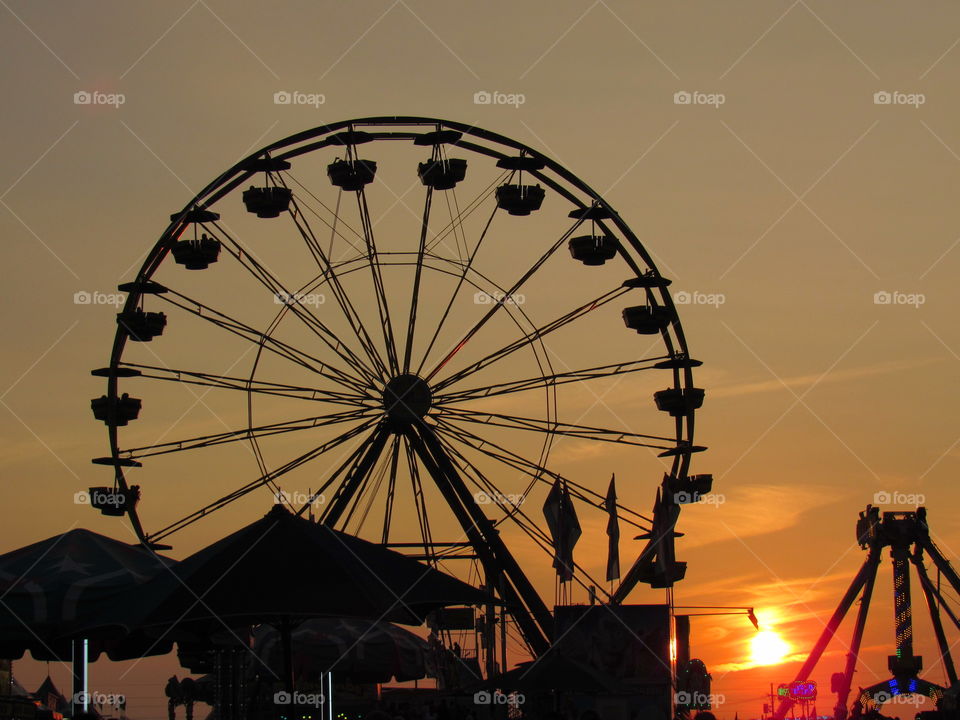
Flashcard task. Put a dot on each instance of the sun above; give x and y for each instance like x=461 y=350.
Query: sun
x=768 y=648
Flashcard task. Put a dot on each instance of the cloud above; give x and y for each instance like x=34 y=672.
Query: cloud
x=748 y=511
x=805 y=381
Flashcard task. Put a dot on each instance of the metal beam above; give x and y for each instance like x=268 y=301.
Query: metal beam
x=532 y=616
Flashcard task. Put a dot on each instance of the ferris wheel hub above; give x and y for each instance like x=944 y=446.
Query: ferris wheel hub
x=407 y=398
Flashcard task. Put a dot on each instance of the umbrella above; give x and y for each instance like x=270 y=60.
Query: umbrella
x=50 y=591
x=285 y=568
x=363 y=651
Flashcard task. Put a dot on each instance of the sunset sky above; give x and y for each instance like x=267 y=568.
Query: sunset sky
x=789 y=200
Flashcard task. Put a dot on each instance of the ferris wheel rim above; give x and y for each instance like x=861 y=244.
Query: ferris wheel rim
x=300 y=144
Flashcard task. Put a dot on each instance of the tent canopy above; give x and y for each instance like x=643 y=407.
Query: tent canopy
x=52 y=589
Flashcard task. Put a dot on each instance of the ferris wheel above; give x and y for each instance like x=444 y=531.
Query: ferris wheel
x=416 y=329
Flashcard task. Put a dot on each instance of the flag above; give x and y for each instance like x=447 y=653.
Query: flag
x=564 y=528
x=613 y=531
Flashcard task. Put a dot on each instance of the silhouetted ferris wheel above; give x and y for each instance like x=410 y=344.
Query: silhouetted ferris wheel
x=412 y=328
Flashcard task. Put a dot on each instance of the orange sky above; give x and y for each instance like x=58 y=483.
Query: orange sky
x=797 y=199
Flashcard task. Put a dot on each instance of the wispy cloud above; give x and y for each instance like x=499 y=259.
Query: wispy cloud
x=754 y=510
x=804 y=381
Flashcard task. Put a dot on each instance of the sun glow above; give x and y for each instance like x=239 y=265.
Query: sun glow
x=767 y=647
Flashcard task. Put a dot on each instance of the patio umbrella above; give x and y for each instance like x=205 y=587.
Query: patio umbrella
x=52 y=589
x=284 y=568
x=362 y=651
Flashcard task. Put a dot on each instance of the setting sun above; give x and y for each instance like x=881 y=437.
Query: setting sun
x=768 y=648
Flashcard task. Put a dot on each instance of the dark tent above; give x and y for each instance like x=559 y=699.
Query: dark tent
x=52 y=589
x=285 y=566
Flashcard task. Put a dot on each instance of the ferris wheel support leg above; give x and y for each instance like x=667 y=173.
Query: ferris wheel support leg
x=929 y=592
x=532 y=615
x=632 y=577
x=868 y=570
x=843 y=692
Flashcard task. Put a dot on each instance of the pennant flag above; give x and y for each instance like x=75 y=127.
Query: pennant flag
x=613 y=531
x=564 y=528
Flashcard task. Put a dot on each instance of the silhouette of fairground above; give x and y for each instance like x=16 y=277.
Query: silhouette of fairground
x=390 y=449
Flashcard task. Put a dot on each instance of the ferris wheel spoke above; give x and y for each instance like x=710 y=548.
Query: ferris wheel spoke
x=326 y=266
x=264 y=479
x=516 y=514
x=542 y=381
x=357 y=475
x=391 y=491
x=503 y=301
x=419 y=501
x=461 y=279
x=415 y=299
x=553 y=427
x=335 y=212
x=205 y=379
x=369 y=490
x=248 y=433
x=283 y=295
x=278 y=347
x=534 y=335
x=535 y=470
x=456 y=221
x=383 y=307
